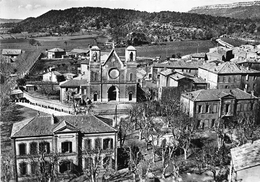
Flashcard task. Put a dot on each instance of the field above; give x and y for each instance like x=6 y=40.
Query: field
x=84 y=41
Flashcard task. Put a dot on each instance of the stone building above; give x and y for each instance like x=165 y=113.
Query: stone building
x=207 y=107
x=62 y=144
x=112 y=79
x=229 y=75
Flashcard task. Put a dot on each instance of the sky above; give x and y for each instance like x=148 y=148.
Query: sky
x=21 y=9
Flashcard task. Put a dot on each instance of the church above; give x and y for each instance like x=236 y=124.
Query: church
x=104 y=78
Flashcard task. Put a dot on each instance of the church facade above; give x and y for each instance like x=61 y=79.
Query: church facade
x=110 y=79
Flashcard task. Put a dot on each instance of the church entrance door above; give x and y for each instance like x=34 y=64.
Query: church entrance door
x=112 y=93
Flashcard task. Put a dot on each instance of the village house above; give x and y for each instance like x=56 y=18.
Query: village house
x=79 y=53
x=184 y=81
x=51 y=76
x=62 y=144
x=221 y=53
x=230 y=75
x=10 y=55
x=189 y=66
x=112 y=79
x=207 y=107
x=55 y=53
x=245 y=162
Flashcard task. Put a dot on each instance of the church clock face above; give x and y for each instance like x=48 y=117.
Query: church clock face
x=114 y=73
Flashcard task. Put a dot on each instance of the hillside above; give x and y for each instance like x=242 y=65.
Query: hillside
x=3 y=20
x=241 y=10
x=161 y=26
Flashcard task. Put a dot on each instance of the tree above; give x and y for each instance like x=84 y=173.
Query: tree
x=34 y=42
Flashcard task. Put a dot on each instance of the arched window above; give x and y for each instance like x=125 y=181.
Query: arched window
x=95 y=56
x=131 y=56
x=33 y=148
x=88 y=163
x=44 y=147
x=95 y=97
x=22 y=149
x=23 y=168
x=108 y=143
x=130 y=96
x=66 y=147
x=131 y=77
x=65 y=166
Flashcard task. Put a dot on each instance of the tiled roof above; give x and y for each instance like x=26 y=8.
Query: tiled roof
x=11 y=51
x=177 y=76
x=167 y=72
x=54 y=72
x=77 y=50
x=16 y=91
x=180 y=65
x=246 y=156
x=56 y=50
x=74 y=83
x=199 y=55
x=43 y=126
x=227 y=67
x=216 y=94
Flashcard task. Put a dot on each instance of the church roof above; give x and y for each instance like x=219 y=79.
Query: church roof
x=44 y=126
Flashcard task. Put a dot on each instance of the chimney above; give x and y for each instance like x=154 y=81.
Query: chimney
x=53 y=119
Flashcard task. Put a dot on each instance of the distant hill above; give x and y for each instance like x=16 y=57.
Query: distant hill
x=242 y=10
x=161 y=26
x=3 y=20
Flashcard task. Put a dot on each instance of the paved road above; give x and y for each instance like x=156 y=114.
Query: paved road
x=45 y=110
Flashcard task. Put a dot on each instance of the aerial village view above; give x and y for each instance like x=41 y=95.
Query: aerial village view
x=149 y=91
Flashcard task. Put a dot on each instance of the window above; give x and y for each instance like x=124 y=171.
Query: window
x=229 y=79
x=88 y=144
x=108 y=143
x=22 y=149
x=245 y=107
x=95 y=56
x=131 y=56
x=97 y=143
x=199 y=108
x=251 y=106
x=227 y=108
x=34 y=168
x=33 y=148
x=131 y=77
x=224 y=79
x=206 y=123
x=23 y=168
x=207 y=108
x=95 y=96
x=66 y=147
x=214 y=108
x=44 y=147
x=198 y=123
x=88 y=163
x=65 y=166
x=130 y=96
x=212 y=123
x=238 y=107
x=150 y=75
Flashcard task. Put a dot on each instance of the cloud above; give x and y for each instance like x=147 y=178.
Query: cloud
x=28 y=6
